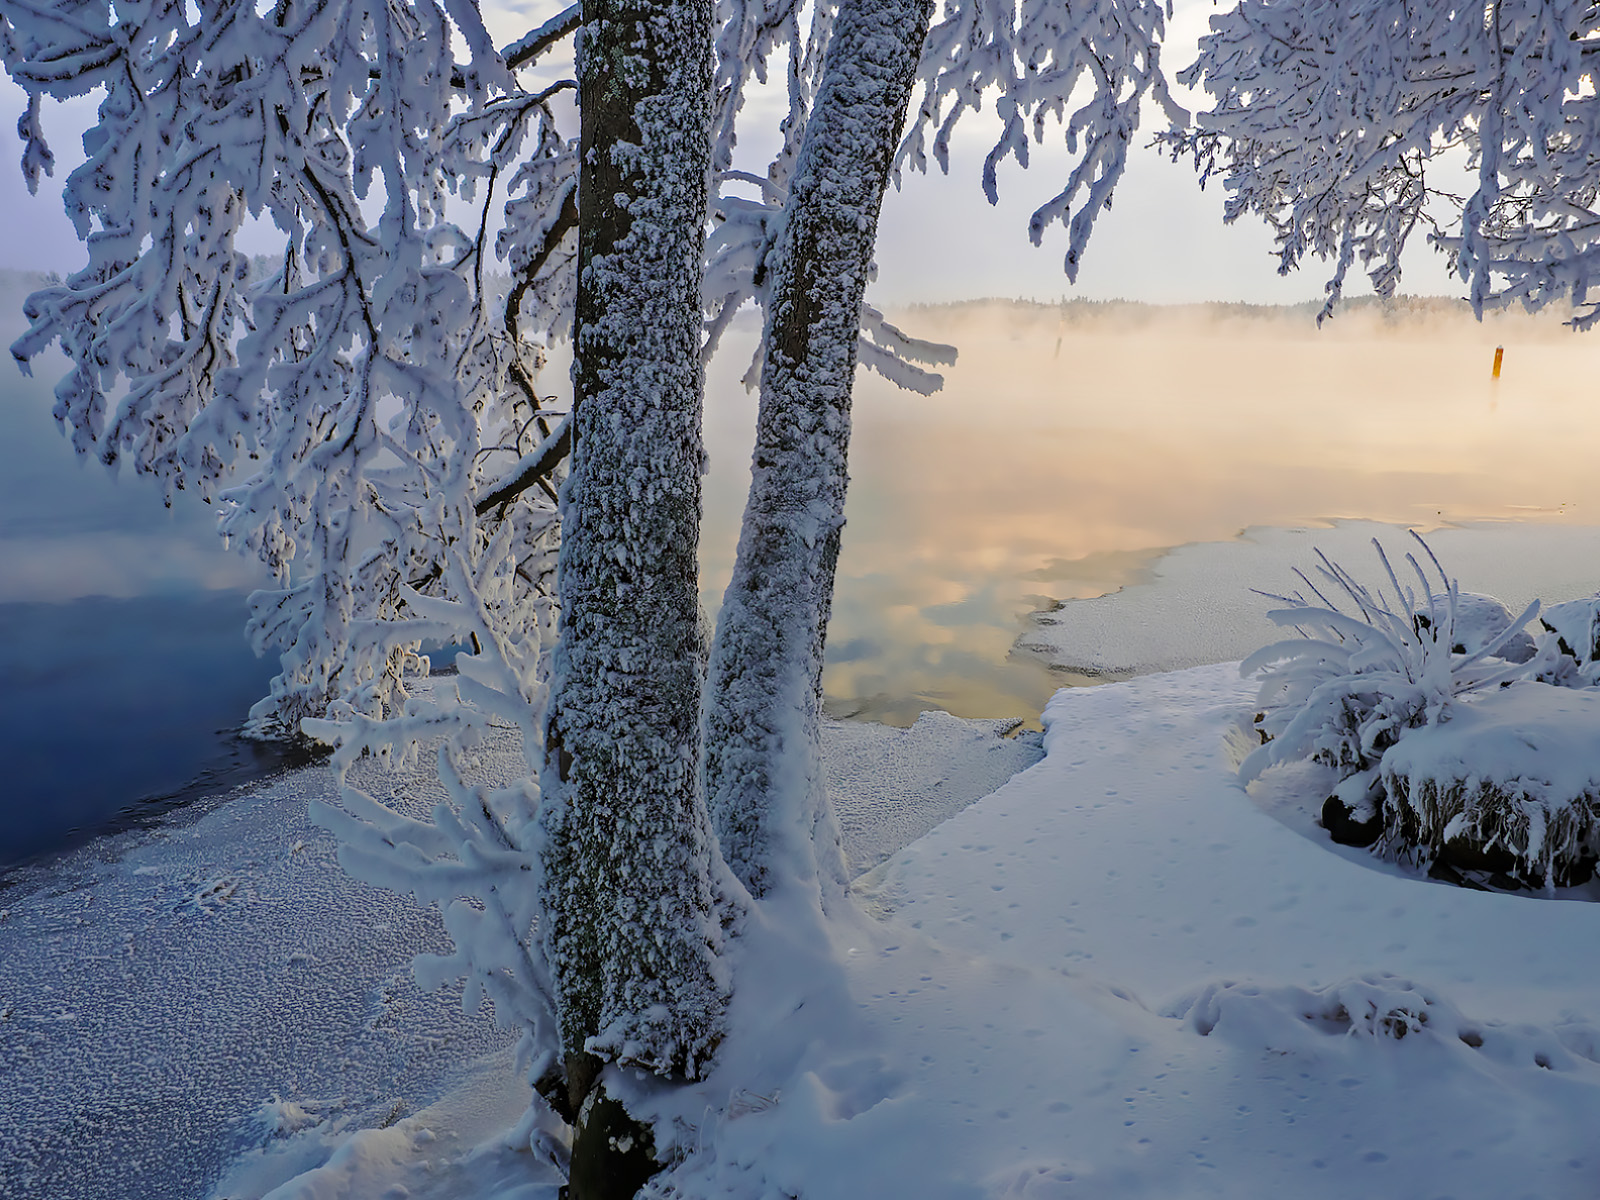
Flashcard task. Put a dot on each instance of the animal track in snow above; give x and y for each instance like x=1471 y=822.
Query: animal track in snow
x=211 y=897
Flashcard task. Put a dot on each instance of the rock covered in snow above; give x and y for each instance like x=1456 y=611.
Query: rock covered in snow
x=1510 y=783
x=1574 y=624
x=1479 y=620
x=1353 y=813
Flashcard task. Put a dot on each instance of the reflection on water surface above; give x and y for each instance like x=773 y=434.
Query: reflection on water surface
x=1065 y=455
x=1070 y=447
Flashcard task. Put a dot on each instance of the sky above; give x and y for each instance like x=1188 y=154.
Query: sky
x=1163 y=241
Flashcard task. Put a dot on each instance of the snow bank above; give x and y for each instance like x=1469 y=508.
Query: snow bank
x=1132 y=853
x=214 y=1007
x=1236 y=1010
x=1118 y=976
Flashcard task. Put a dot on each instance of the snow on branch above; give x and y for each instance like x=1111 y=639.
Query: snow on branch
x=749 y=33
x=323 y=400
x=745 y=227
x=736 y=272
x=1328 y=114
x=528 y=49
x=348 y=403
x=898 y=357
x=1089 y=67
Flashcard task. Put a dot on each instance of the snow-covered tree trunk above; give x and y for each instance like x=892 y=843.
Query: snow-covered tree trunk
x=764 y=782
x=632 y=932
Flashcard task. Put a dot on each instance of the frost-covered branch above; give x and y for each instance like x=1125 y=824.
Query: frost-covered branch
x=1328 y=116
x=318 y=402
x=1088 y=67
x=528 y=49
x=537 y=465
x=348 y=405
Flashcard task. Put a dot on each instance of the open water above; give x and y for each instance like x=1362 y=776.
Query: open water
x=123 y=665
x=1070 y=450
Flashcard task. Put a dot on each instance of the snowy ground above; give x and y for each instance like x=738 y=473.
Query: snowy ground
x=1118 y=975
x=217 y=991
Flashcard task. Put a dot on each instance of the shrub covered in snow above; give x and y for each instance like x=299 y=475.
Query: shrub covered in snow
x=1345 y=690
x=1458 y=737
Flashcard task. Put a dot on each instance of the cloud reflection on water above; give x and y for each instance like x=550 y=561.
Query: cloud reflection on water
x=1066 y=452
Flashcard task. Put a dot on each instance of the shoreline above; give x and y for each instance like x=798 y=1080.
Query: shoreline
x=1182 y=606
x=1073 y=925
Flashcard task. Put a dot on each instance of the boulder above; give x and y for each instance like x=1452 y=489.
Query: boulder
x=1507 y=783
x=1479 y=620
x=1575 y=627
x=1353 y=814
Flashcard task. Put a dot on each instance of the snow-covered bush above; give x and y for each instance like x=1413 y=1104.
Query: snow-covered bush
x=1344 y=691
x=1437 y=711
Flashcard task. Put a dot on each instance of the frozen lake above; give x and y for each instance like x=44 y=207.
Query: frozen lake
x=1069 y=451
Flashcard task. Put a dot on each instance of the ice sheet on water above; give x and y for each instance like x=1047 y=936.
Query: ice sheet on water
x=1200 y=608
x=890 y=786
x=159 y=987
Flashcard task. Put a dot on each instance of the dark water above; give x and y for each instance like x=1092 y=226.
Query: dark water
x=124 y=671
x=114 y=711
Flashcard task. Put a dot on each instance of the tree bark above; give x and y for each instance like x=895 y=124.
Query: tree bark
x=632 y=931
x=764 y=782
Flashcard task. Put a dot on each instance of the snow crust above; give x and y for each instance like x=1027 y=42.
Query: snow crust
x=215 y=1007
x=1228 y=994
x=157 y=989
x=890 y=786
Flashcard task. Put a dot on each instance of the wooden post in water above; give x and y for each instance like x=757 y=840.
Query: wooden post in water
x=1499 y=353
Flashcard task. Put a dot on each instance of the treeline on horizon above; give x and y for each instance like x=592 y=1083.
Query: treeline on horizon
x=1068 y=310
x=1357 y=316
x=1076 y=307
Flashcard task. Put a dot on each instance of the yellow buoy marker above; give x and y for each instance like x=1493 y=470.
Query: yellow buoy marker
x=1499 y=353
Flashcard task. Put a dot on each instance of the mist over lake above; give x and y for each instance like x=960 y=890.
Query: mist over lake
x=1071 y=448
x=1073 y=445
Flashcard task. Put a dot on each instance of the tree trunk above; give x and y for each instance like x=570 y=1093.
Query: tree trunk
x=632 y=931
x=764 y=782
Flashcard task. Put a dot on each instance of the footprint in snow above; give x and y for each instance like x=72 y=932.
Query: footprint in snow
x=211 y=897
